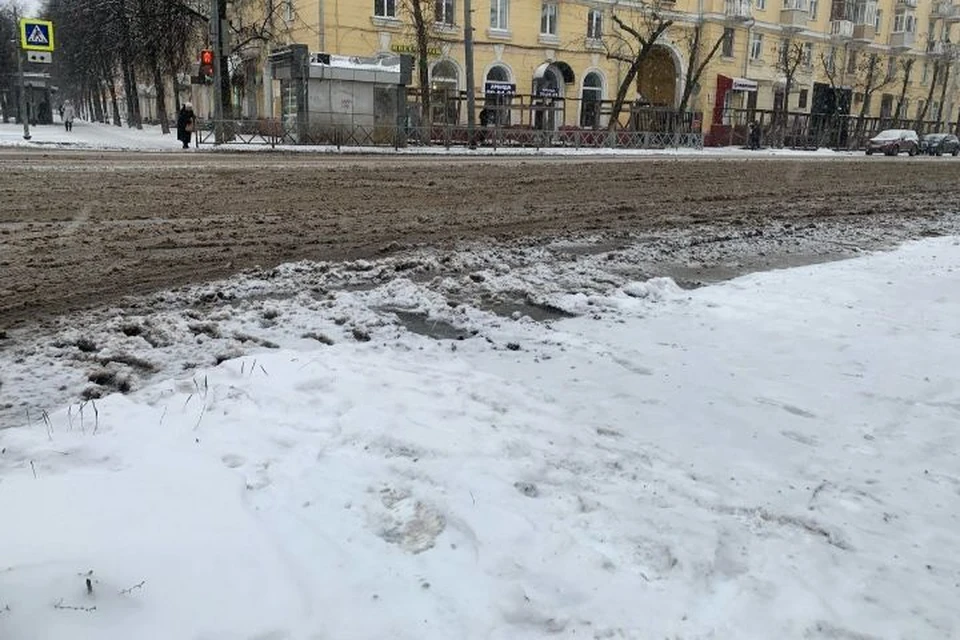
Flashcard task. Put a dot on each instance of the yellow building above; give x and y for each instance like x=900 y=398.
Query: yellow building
x=561 y=52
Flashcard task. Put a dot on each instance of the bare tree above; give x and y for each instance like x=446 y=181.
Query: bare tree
x=869 y=76
x=8 y=61
x=946 y=66
x=922 y=113
x=906 y=68
x=790 y=56
x=699 y=59
x=631 y=43
x=421 y=14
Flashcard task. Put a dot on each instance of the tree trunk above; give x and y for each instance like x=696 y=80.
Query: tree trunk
x=926 y=105
x=423 y=70
x=161 y=89
x=943 y=94
x=625 y=84
x=137 y=116
x=101 y=98
x=697 y=67
x=113 y=100
x=907 y=68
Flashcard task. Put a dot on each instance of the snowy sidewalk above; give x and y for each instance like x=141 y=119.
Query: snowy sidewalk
x=104 y=137
x=772 y=457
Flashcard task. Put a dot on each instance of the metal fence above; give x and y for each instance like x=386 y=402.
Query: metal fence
x=273 y=133
x=813 y=130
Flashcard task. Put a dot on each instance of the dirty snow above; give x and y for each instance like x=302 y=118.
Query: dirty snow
x=770 y=457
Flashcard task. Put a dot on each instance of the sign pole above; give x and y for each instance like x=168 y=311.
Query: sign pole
x=217 y=71
x=471 y=86
x=24 y=117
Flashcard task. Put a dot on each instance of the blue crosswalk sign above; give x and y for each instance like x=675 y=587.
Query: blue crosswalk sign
x=36 y=35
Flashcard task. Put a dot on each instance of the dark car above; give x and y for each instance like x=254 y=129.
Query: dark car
x=894 y=141
x=937 y=144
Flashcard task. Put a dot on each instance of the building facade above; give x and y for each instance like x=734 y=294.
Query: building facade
x=861 y=57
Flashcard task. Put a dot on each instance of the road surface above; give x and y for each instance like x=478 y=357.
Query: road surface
x=82 y=229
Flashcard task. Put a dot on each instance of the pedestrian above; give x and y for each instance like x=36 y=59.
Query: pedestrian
x=61 y=112
x=186 y=121
x=68 y=115
x=754 y=136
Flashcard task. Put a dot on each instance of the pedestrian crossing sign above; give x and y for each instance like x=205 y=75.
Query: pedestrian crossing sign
x=36 y=35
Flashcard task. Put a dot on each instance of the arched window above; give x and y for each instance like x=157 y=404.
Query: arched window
x=591 y=99
x=498 y=96
x=444 y=93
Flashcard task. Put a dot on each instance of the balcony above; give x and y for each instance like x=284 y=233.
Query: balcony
x=952 y=12
x=864 y=33
x=739 y=10
x=941 y=9
x=794 y=15
x=841 y=30
x=902 y=41
x=936 y=47
x=906 y=4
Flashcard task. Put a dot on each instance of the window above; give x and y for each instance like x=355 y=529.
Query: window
x=814 y=5
x=886 y=105
x=852 y=62
x=761 y=5
x=891 y=68
x=919 y=108
x=866 y=13
x=444 y=91
x=756 y=47
x=808 y=54
x=590 y=105
x=385 y=8
x=288 y=10
x=830 y=63
x=594 y=24
x=444 y=12
x=804 y=95
x=925 y=77
x=728 y=35
x=548 y=19
x=877 y=20
x=499 y=12
x=796 y=5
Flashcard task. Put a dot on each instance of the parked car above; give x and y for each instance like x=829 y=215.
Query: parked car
x=937 y=144
x=894 y=141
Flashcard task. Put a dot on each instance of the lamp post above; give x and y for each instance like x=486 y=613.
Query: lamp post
x=468 y=63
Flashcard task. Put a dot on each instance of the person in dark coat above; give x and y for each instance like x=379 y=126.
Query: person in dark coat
x=754 y=136
x=186 y=122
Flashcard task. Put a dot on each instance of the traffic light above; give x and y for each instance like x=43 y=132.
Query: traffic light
x=206 y=65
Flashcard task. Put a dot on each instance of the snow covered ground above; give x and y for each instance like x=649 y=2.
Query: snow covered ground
x=770 y=457
x=95 y=136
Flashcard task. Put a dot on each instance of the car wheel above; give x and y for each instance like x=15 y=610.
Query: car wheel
x=956 y=150
x=869 y=152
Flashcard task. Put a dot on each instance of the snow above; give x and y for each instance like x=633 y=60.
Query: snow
x=391 y=64
x=105 y=137
x=770 y=457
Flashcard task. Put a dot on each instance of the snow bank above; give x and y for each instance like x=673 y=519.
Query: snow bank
x=773 y=457
x=96 y=136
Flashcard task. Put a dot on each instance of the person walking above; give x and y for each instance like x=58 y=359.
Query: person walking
x=754 y=136
x=69 y=113
x=186 y=121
